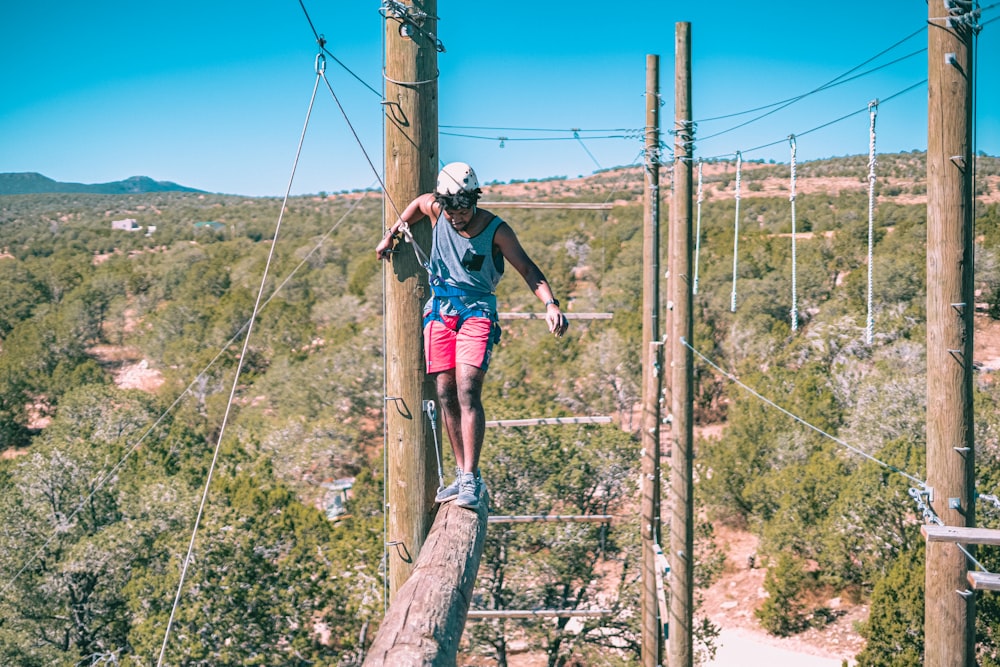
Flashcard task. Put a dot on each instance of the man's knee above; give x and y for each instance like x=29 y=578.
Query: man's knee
x=470 y=395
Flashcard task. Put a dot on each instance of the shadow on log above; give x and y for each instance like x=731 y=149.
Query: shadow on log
x=425 y=621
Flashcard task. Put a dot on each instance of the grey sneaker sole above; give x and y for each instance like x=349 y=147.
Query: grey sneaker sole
x=446 y=495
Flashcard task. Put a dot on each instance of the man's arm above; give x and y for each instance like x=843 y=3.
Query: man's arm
x=415 y=211
x=506 y=240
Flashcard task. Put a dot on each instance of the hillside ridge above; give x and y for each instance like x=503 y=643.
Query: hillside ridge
x=31 y=183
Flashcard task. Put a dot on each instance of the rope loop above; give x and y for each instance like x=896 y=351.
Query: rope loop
x=736 y=228
x=870 y=319
x=794 y=312
x=697 y=233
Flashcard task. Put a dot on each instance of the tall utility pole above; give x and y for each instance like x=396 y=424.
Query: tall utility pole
x=950 y=612
x=411 y=161
x=681 y=428
x=649 y=486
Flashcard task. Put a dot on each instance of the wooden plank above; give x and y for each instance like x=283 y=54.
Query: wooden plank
x=585 y=206
x=480 y=614
x=549 y=421
x=553 y=518
x=960 y=534
x=425 y=621
x=984 y=581
x=568 y=316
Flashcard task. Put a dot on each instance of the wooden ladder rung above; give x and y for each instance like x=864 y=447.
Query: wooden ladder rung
x=984 y=581
x=960 y=534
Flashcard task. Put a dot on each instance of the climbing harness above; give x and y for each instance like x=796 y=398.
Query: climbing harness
x=441 y=290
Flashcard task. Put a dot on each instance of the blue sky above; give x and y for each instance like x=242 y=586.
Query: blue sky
x=213 y=95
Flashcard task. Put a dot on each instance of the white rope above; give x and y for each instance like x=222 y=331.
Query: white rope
x=736 y=227
x=791 y=198
x=697 y=233
x=872 y=112
x=320 y=67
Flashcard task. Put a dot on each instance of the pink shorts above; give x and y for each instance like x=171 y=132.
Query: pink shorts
x=471 y=344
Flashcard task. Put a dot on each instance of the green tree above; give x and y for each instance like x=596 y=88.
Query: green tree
x=895 y=627
x=782 y=612
x=262 y=589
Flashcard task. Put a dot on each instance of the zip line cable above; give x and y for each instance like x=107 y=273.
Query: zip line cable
x=320 y=68
x=917 y=493
x=735 y=380
x=825 y=125
x=833 y=82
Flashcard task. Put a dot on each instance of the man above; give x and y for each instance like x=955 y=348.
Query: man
x=466 y=263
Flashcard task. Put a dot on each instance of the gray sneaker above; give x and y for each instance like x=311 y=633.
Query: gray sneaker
x=449 y=492
x=468 y=490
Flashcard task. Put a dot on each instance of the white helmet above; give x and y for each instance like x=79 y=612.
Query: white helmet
x=455 y=178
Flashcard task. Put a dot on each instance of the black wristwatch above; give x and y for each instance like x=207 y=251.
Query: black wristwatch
x=552 y=302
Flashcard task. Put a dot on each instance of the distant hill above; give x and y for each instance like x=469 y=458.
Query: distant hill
x=30 y=183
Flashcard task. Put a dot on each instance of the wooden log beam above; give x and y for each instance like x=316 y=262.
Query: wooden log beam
x=984 y=581
x=424 y=623
x=960 y=534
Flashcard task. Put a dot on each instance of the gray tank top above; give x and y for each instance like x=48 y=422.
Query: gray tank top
x=465 y=267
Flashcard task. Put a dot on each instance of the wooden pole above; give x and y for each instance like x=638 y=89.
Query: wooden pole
x=949 y=616
x=411 y=162
x=649 y=487
x=681 y=559
x=426 y=619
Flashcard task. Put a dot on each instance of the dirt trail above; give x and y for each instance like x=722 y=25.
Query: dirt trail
x=730 y=603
